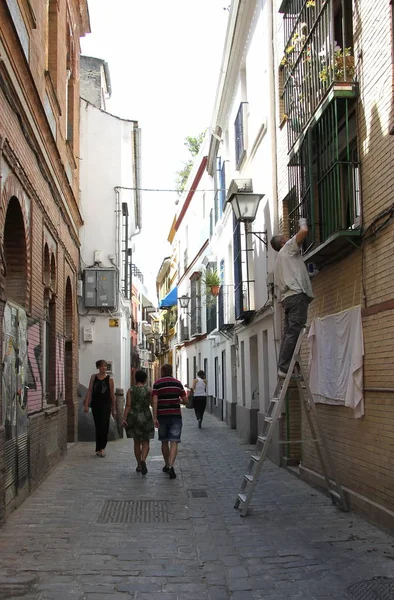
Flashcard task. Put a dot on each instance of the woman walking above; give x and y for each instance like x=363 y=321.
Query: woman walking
x=138 y=421
x=199 y=388
x=101 y=397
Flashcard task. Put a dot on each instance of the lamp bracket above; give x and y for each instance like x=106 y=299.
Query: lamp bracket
x=260 y=233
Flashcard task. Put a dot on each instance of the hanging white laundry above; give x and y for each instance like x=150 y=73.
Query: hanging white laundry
x=336 y=359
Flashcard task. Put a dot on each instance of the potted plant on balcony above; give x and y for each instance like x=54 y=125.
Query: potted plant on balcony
x=342 y=64
x=211 y=280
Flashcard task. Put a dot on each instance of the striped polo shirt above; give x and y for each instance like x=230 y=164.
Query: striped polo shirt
x=168 y=391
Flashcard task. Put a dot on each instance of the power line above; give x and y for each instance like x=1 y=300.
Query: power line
x=164 y=190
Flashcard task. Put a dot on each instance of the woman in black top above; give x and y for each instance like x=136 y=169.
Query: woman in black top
x=101 y=397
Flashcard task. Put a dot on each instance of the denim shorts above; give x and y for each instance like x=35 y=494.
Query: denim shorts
x=170 y=429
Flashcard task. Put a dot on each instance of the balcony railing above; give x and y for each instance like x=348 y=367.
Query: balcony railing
x=318 y=53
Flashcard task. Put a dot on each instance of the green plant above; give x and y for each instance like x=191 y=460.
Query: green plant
x=193 y=145
x=211 y=278
x=343 y=61
x=211 y=282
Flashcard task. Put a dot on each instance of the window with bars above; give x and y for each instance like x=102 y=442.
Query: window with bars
x=243 y=285
x=324 y=179
x=195 y=306
x=224 y=312
x=318 y=53
x=222 y=185
x=211 y=223
x=239 y=131
x=211 y=315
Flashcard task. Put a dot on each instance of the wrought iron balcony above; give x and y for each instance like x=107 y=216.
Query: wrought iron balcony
x=318 y=54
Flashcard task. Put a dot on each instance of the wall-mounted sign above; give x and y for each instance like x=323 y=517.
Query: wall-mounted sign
x=113 y=322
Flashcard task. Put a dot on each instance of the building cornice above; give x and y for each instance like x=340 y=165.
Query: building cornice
x=190 y=195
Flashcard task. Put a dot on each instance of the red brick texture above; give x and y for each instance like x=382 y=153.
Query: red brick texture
x=40 y=216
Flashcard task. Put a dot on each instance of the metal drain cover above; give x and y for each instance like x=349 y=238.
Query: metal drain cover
x=134 y=511
x=378 y=588
x=197 y=493
x=14 y=590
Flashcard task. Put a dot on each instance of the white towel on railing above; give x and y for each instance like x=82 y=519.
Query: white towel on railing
x=336 y=359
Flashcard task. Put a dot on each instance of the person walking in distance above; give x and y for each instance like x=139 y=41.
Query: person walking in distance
x=137 y=419
x=292 y=279
x=167 y=395
x=199 y=388
x=101 y=397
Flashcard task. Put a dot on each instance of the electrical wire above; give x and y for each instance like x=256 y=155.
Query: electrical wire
x=175 y=191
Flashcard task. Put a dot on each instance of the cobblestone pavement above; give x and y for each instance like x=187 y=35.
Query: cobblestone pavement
x=294 y=544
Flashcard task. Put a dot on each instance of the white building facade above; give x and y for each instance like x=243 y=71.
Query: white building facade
x=236 y=340
x=110 y=178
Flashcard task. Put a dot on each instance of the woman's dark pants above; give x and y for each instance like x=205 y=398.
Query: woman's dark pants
x=199 y=403
x=101 y=416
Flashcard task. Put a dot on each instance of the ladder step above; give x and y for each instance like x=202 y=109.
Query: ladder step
x=334 y=494
x=242 y=497
x=248 y=477
x=255 y=457
x=268 y=419
x=275 y=399
x=262 y=439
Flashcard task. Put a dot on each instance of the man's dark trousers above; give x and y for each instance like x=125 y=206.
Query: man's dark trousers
x=296 y=313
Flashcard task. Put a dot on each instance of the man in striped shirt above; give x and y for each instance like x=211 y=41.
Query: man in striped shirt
x=168 y=394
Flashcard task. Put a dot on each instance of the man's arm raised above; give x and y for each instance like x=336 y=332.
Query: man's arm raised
x=302 y=232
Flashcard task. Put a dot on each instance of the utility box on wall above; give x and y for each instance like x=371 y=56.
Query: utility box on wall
x=100 y=288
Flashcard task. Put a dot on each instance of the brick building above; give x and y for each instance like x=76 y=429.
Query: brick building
x=334 y=66
x=39 y=225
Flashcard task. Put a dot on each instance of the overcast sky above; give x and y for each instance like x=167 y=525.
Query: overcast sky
x=164 y=60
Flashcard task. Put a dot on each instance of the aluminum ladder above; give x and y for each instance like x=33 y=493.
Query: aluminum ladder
x=295 y=373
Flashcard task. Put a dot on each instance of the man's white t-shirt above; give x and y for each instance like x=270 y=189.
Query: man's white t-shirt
x=291 y=275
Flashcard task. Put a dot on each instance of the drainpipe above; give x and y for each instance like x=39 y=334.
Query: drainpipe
x=2 y=254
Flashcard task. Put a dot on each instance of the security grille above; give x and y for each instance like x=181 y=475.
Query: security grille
x=134 y=511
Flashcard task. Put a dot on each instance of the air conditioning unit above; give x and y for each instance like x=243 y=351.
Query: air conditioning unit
x=146 y=328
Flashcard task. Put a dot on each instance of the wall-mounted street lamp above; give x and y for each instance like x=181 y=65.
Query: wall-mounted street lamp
x=184 y=301
x=245 y=204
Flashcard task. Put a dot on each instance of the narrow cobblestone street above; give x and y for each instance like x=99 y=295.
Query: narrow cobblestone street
x=294 y=544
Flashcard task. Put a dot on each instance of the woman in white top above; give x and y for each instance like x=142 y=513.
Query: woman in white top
x=200 y=396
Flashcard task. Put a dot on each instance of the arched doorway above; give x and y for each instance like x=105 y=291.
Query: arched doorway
x=14 y=396
x=15 y=254
x=68 y=365
x=51 y=350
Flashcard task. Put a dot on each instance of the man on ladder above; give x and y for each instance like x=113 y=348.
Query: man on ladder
x=291 y=276
x=292 y=279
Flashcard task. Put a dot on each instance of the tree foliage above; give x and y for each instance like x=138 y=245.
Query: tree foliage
x=193 y=144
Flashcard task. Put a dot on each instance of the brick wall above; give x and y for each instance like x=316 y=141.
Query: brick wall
x=363 y=449
x=39 y=180
x=48 y=442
